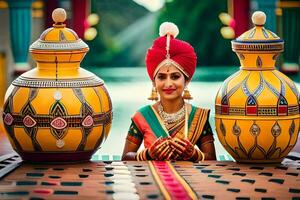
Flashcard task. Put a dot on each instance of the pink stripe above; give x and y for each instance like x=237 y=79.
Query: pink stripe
x=169 y=180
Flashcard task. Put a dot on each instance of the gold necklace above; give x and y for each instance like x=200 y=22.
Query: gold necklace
x=170 y=118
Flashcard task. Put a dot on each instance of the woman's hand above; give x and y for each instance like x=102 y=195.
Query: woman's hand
x=183 y=149
x=160 y=149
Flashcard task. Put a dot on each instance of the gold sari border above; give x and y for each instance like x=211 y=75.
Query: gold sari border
x=198 y=123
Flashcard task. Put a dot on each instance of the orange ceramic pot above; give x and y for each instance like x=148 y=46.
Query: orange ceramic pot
x=257 y=108
x=57 y=112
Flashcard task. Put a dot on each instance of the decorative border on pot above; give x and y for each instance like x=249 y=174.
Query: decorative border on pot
x=61 y=83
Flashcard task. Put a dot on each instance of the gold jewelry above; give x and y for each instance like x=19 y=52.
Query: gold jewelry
x=142 y=155
x=186 y=94
x=164 y=151
x=161 y=148
x=153 y=96
x=169 y=61
x=202 y=155
x=170 y=118
x=170 y=153
x=198 y=155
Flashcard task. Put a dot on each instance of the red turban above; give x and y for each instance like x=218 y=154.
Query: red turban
x=181 y=52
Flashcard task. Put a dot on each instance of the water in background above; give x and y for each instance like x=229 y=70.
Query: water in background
x=129 y=89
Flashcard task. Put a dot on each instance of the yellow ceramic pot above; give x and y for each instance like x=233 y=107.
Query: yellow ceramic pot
x=57 y=112
x=257 y=108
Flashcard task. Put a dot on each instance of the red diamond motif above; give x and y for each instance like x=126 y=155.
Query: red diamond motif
x=8 y=119
x=59 y=123
x=88 y=121
x=29 y=121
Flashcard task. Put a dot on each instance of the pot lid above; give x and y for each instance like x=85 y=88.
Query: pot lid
x=258 y=38
x=59 y=37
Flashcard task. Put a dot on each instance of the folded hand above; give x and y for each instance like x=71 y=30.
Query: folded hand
x=183 y=149
x=160 y=149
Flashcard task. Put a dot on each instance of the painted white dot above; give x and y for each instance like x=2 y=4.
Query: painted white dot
x=57 y=95
x=60 y=143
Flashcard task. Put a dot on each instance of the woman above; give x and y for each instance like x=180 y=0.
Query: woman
x=171 y=128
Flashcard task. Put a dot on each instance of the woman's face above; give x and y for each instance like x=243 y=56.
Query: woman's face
x=169 y=82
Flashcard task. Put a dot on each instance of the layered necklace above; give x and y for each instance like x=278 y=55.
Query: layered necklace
x=170 y=118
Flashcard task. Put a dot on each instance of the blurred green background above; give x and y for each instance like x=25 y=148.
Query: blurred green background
x=126 y=30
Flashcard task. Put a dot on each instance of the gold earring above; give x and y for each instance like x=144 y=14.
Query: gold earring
x=153 y=96
x=186 y=94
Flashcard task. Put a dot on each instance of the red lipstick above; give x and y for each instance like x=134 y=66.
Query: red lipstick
x=168 y=91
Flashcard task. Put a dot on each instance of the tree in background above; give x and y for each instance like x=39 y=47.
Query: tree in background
x=115 y=17
x=199 y=25
x=126 y=30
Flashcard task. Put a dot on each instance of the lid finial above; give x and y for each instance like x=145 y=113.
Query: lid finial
x=259 y=18
x=58 y=38
x=59 y=15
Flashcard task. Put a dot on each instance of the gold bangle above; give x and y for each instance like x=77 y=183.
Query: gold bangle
x=142 y=155
x=202 y=155
x=145 y=154
x=198 y=155
x=137 y=157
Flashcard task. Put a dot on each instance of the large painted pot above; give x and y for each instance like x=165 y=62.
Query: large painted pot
x=257 y=108
x=57 y=112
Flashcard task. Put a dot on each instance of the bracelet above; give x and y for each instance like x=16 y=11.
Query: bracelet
x=201 y=155
x=142 y=156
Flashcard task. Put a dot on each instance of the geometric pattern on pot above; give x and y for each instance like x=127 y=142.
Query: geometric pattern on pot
x=59 y=118
x=257 y=102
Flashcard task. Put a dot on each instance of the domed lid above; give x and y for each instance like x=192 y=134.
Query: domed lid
x=258 y=38
x=58 y=37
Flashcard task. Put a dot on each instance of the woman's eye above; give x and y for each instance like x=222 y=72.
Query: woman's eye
x=175 y=77
x=161 y=77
